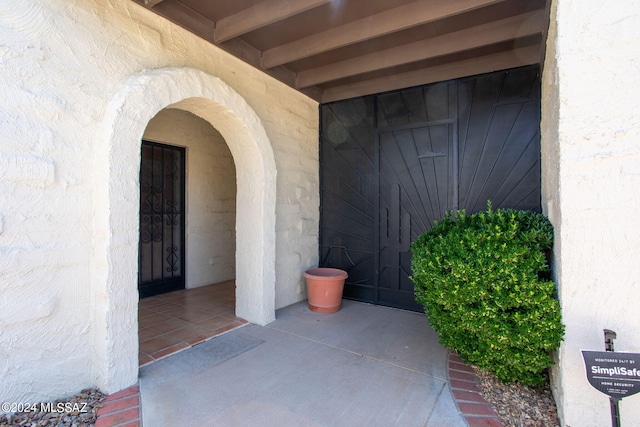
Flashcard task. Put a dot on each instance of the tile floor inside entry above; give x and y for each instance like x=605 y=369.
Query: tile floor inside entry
x=177 y=320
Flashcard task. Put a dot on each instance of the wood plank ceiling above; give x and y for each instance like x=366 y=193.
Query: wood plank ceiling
x=338 y=49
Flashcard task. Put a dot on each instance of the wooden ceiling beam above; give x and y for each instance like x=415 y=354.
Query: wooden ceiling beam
x=186 y=17
x=260 y=15
x=249 y=54
x=484 y=64
x=523 y=25
x=151 y=3
x=387 y=22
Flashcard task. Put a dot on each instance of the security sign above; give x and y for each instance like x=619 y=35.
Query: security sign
x=614 y=374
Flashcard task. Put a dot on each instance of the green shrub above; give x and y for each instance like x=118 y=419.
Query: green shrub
x=483 y=280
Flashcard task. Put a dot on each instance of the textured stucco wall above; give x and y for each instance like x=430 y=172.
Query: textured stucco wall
x=591 y=181
x=67 y=308
x=210 y=195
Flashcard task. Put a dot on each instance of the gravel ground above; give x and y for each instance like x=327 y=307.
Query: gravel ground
x=76 y=411
x=518 y=405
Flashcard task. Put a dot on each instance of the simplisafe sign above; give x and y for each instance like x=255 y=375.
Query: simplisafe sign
x=614 y=374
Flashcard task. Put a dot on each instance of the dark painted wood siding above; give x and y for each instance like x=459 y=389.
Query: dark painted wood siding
x=392 y=164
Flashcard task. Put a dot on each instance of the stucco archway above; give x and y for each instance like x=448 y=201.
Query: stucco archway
x=117 y=163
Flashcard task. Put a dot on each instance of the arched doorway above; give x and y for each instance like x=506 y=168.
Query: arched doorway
x=117 y=163
x=186 y=274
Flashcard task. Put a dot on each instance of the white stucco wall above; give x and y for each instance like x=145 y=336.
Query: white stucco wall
x=67 y=308
x=591 y=186
x=210 y=194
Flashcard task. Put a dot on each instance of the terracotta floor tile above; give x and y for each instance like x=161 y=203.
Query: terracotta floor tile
x=152 y=319
x=145 y=334
x=172 y=297
x=144 y=358
x=175 y=310
x=158 y=343
x=170 y=350
x=164 y=307
x=204 y=337
x=220 y=310
x=149 y=303
x=207 y=302
x=216 y=322
x=171 y=322
x=144 y=313
x=168 y=325
x=228 y=327
x=188 y=332
x=195 y=316
x=198 y=304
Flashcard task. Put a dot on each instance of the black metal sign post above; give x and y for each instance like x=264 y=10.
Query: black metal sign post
x=615 y=374
x=615 y=412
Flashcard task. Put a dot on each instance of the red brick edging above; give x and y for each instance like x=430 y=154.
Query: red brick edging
x=466 y=392
x=121 y=409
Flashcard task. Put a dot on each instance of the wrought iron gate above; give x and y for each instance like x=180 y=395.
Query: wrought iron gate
x=392 y=164
x=161 y=247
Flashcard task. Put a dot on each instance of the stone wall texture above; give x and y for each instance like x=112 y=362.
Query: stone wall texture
x=591 y=185
x=69 y=157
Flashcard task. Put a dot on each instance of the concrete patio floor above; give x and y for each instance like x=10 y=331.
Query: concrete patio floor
x=365 y=365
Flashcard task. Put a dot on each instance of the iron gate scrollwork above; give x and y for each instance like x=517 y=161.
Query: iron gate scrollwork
x=161 y=247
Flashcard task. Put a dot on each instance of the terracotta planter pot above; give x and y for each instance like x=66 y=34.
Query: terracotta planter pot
x=324 y=286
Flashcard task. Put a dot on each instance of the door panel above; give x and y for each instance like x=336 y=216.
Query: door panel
x=348 y=181
x=161 y=244
x=415 y=190
x=499 y=121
